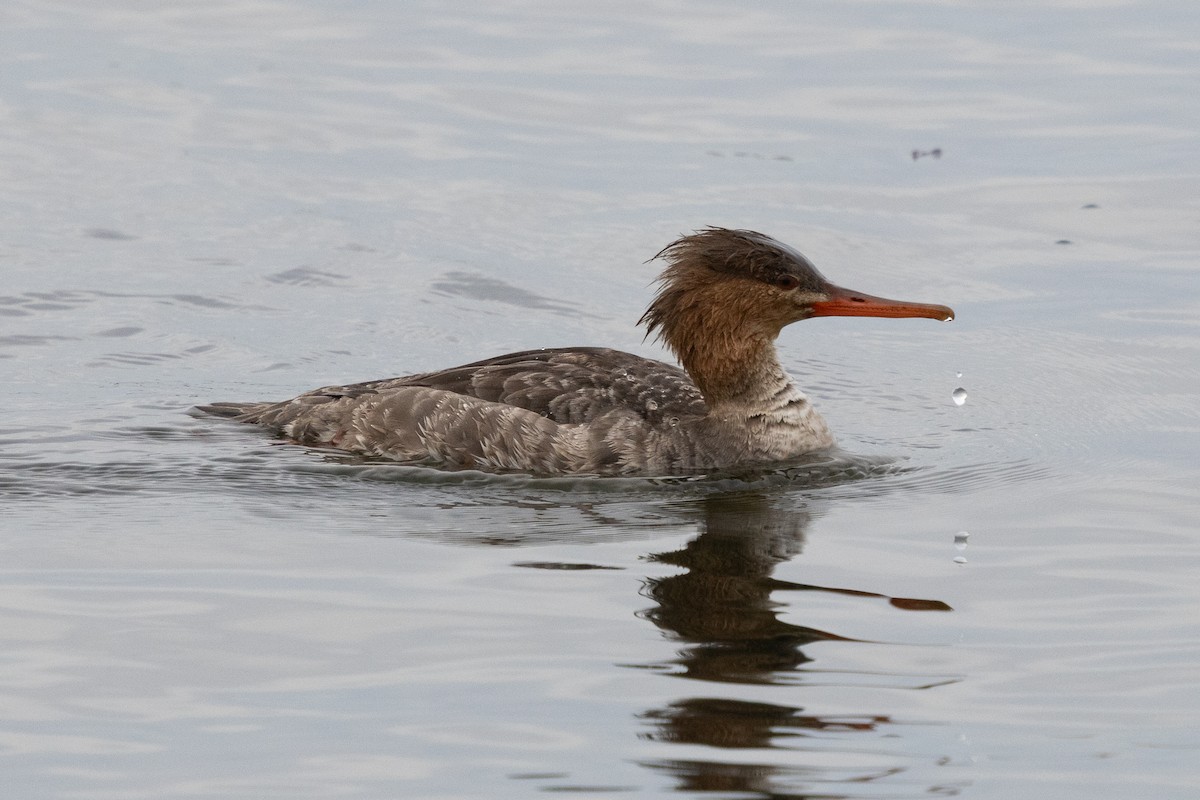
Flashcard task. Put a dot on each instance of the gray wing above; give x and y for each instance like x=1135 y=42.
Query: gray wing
x=569 y=385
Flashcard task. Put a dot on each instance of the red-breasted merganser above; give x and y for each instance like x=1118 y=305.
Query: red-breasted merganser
x=722 y=300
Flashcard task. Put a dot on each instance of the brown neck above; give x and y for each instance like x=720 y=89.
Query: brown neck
x=724 y=344
x=742 y=373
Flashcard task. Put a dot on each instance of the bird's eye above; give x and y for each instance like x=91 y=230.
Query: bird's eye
x=787 y=282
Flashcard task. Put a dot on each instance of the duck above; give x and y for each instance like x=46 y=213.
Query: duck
x=723 y=297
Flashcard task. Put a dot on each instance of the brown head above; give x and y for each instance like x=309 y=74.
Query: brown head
x=727 y=293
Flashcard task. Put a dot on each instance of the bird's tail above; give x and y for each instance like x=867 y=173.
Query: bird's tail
x=242 y=412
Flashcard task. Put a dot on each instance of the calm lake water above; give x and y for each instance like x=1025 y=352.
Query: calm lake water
x=244 y=200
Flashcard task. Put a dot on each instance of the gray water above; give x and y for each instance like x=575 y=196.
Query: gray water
x=242 y=201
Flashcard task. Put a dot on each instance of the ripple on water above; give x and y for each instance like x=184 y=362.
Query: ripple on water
x=25 y=340
x=29 y=304
x=307 y=276
x=188 y=457
x=274 y=477
x=814 y=471
x=493 y=290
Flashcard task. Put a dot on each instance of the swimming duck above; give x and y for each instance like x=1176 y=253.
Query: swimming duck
x=723 y=298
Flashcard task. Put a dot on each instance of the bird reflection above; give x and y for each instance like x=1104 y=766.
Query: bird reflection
x=721 y=607
x=722 y=604
x=721 y=722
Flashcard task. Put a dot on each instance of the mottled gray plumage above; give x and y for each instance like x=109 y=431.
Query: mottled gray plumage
x=723 y=298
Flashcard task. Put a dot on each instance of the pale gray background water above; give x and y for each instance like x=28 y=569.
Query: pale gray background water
x=242 y=200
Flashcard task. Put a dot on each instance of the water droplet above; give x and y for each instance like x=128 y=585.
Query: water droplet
x=960 y=559
x=651 y=405
x=960 y=396
x=958 y=374
x=673 y=421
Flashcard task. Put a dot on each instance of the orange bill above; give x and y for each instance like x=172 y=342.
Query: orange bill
x=846 y=303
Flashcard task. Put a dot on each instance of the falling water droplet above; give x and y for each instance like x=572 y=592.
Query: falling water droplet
x=960 y=540
x=960 y=396
x=960 y=559
x=958 y=374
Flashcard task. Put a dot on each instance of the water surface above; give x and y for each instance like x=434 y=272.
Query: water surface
x=240 y=201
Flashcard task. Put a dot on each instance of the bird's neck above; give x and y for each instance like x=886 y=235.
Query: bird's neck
x=735 y=367
x=724 y=336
